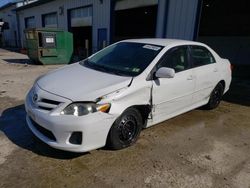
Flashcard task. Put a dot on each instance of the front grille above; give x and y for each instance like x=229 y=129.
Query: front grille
x=45 y=108
x=44 y=131
x=47 y=104
x=50 y=101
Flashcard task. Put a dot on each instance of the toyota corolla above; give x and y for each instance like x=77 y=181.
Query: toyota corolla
x=108 y=98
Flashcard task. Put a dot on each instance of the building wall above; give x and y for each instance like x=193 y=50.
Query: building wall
x=10 y=35
x=101 y=15
x=176 y=18
x=182 y=19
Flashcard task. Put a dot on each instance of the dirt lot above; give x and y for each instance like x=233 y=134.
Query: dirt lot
x=198 y=149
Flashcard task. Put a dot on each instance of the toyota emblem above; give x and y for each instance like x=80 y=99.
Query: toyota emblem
x=35 y=97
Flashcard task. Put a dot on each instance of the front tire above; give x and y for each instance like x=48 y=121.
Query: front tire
x=215 y=97
x=125 y=130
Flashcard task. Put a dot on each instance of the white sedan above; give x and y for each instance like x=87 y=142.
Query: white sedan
x=109 y=97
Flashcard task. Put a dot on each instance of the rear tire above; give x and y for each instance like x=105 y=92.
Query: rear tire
x=125 y=130
x=215 y=97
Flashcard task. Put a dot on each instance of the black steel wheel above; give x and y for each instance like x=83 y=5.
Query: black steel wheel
x=215 y=97
x=126 y=129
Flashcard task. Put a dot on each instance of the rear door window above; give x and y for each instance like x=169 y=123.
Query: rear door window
x=201 y=56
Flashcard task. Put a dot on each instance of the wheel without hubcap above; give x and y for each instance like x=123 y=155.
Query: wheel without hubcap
x=126 y=129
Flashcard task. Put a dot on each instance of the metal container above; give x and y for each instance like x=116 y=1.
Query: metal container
x=49 y=46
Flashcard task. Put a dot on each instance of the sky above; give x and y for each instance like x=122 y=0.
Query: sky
x=3 y=2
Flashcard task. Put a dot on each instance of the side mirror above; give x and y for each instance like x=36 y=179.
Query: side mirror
x=165 y=72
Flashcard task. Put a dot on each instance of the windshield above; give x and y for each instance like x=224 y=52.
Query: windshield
x=125 y=58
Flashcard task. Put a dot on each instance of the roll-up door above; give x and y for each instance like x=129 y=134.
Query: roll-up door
x=135 y=19
x=80 y=24
x=50 y=20
x=81 y=17
x=129 y=4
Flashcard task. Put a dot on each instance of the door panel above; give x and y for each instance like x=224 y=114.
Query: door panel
x=173 y=95
x=206 y=80
x=205 y=71
x=102 y=38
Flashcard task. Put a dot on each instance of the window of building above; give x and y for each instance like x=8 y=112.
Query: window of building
x=201 y=56
x=30 y=22
x=50 y=20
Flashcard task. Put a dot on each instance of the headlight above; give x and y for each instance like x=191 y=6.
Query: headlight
x=81 y=109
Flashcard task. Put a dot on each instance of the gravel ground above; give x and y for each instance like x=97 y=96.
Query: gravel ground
x=197 y=149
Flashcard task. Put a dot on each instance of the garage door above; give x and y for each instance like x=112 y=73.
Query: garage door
x=227 y=31
x=135 y=19
x=81 y=17
x=129 y=4
x=50 y=20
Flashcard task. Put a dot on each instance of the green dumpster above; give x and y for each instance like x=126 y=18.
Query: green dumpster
x=49 y=46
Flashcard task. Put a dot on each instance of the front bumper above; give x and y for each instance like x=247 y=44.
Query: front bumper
x=94 y=127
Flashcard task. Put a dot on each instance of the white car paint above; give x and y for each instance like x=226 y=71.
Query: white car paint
x=82 y=82
x=179 y=95
x=169 y=97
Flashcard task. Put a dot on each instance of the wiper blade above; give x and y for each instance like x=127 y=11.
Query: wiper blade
x=116 y=73
x=103 y=68
x=96 y=67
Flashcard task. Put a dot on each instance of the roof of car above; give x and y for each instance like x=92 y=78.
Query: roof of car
x=163 y=42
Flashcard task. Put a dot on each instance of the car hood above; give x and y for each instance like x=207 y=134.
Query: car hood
x=79 y=83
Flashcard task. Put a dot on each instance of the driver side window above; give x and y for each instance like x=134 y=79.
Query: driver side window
x=176 y=58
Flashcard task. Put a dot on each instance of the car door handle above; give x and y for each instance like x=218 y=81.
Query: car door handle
x=190 y=77
x=215 y=70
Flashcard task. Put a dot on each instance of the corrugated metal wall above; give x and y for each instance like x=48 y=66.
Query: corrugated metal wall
x=162 y=18
x=181 y=21
x=101 y=15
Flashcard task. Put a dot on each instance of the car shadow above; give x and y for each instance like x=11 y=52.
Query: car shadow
x=13 y=125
